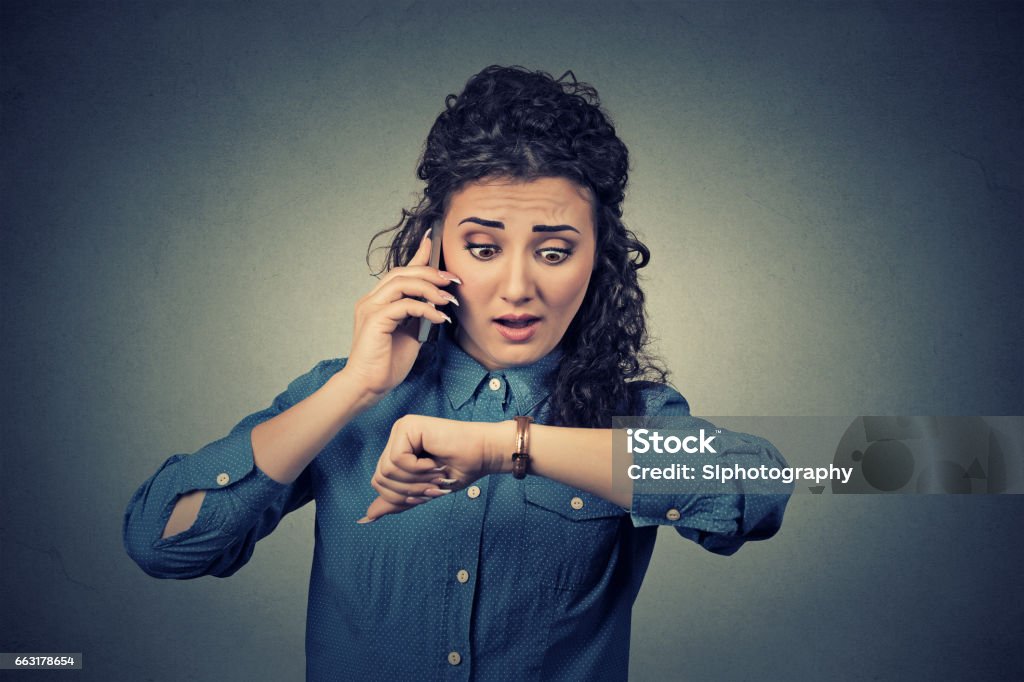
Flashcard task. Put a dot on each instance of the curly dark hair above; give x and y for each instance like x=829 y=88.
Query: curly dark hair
x=513 y=123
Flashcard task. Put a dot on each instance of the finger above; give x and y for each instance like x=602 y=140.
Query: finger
x=380 y=507
x=389 y=490
x=411 y=463
x=441 y=278
x=405 y=449
x=411 y=287
x=436 y=492
x=442 y=483
x=397 y=491
x=390 y=316
x=422 y=255
x=399 y=473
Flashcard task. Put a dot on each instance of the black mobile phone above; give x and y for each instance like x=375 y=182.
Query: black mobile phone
x=435 y=262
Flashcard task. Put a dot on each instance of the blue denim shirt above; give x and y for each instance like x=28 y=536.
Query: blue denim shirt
x=507 y=579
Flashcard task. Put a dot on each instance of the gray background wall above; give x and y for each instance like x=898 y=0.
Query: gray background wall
x=832 y=193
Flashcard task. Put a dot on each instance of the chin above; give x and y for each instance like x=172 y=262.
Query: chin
x=500 y=353
x=516 y=356
x=520 y=359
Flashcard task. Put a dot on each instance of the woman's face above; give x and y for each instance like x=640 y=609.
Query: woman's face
x=524 y=252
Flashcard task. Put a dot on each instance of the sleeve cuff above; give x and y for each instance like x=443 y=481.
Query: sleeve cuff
x=219 y=464
x=228 y=464
x=715 y=514
x=718 y=514
x=238 y=491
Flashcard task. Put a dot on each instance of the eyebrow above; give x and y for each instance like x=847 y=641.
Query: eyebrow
x=501 y=226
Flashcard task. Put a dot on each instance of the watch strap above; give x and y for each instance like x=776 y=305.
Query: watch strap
x=521 y=454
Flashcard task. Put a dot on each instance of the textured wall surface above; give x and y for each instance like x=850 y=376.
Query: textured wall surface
x=832 y=193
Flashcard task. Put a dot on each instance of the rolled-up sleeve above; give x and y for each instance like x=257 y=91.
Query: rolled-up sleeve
x=719 y=517
x=242 y=504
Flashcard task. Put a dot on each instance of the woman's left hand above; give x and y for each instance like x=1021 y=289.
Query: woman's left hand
x=427 y=457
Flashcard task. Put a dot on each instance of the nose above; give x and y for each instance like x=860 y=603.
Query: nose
x=518 y=285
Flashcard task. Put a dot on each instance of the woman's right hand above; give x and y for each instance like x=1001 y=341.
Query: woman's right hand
x=384 y=338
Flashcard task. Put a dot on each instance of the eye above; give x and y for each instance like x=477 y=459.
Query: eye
x=483 y=251
x=554 y=256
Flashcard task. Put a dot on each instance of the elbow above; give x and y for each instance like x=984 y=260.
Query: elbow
x=187 y=555
x=138 y=541
x=152 y=554
x=149 y=559
x=724 y=546
x=717 y=543
x=151 y=565
x=749 y=518
x=145 y=557
x=164 y=563
x=761 y=519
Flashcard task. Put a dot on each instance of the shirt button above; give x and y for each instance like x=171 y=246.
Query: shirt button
x=462 y=576
x=576 y=503
x=454 y=658
x=473 y=492
x=494 y=384
x=223 y=478
x=672 y=515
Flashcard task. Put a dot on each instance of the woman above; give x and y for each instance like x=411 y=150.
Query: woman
x=427 y=550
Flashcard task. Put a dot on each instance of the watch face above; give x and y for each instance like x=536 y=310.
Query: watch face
x=519 y=462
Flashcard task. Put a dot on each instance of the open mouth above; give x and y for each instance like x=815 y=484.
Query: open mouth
x=517 y=327
x=517 y=324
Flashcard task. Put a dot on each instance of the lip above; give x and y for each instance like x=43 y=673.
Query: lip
x=518 y=318
x=517 y=334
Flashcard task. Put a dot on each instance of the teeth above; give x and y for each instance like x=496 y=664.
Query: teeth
x=516 y=324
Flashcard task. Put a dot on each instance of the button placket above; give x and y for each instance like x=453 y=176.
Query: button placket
x=465 y=534
x=464 y=540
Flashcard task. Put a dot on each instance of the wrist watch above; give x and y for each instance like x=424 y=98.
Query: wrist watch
x=521 y=455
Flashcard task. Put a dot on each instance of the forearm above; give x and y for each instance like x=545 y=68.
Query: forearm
x=284 y=445
x=720 y=517
x=579 y=458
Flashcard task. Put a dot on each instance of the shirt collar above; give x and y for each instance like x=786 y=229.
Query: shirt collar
x=461 y=375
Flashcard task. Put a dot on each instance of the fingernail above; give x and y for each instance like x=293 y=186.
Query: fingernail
x=435 y=492
x=438 y=469
x=417 y=500
x=449 y=297
x=449 y=276
x=366 y=519
x=447 y=318
x=426 y=235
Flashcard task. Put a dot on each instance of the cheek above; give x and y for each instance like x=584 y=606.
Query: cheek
x=568 y=291
x=476 y=292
